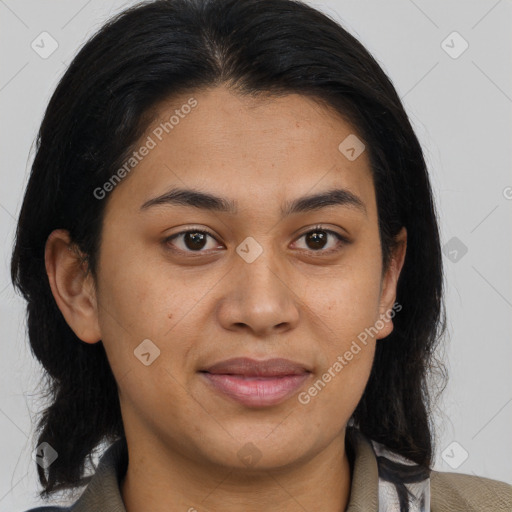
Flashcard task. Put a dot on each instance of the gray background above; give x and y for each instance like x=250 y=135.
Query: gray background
x=460 y=108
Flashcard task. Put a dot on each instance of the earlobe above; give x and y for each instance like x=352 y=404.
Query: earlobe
x=72 y=286
x=389 y=284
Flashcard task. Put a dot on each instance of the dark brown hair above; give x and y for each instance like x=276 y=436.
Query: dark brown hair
x=159 y=49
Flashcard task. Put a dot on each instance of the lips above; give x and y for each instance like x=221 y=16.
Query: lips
x=255 y=383
x=247 y=367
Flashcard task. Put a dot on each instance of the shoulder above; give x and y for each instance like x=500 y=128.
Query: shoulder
x=452 y=492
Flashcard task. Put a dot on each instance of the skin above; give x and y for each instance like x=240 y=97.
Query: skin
x=292 y=302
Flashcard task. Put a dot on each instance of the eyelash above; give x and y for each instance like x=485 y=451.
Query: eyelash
x=341 y=241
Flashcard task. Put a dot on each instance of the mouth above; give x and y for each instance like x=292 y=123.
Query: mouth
x=256 y=383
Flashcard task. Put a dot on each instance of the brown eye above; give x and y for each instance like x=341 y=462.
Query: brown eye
x=318 y=240
x=189 y=241
x=194 y=240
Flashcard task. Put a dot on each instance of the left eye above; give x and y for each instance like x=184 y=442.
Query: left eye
x=319 y=236
x=196 y=240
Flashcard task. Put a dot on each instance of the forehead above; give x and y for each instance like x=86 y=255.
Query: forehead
x=262 y=149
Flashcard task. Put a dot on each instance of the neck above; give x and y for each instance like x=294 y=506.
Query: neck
x=159 y=481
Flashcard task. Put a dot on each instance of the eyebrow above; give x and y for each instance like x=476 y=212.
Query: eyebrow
x=210 y=202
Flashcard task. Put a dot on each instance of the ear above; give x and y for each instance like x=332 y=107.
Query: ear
x=389 y=284
x=72 y=286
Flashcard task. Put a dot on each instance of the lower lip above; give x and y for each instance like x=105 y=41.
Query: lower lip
x=257 y=391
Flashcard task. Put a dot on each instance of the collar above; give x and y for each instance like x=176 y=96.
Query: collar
x=378 y=478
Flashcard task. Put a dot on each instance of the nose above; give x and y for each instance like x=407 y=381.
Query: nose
x=260 y=298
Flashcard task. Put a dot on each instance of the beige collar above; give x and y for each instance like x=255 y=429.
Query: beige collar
x=103 y=493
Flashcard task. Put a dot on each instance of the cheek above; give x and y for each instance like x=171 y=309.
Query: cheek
x=333 y=395
x=157 y=396
x=135 y=308
x=344 y=312
x=339 y=384
x=348 y=302
x=142 y=295
x=147 y=340
x=152 y=301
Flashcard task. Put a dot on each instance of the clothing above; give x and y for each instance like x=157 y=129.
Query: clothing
x=372 y=466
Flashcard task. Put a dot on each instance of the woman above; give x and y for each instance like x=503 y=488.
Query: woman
x=234 y=275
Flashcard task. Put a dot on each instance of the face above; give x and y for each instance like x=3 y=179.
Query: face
x=274 y=278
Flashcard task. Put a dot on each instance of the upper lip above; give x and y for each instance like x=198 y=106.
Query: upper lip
x=245 y=366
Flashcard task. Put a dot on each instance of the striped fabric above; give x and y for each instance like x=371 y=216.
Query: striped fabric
x=403 y=485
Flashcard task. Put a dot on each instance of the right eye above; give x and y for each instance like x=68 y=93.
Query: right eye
x=191 y=241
